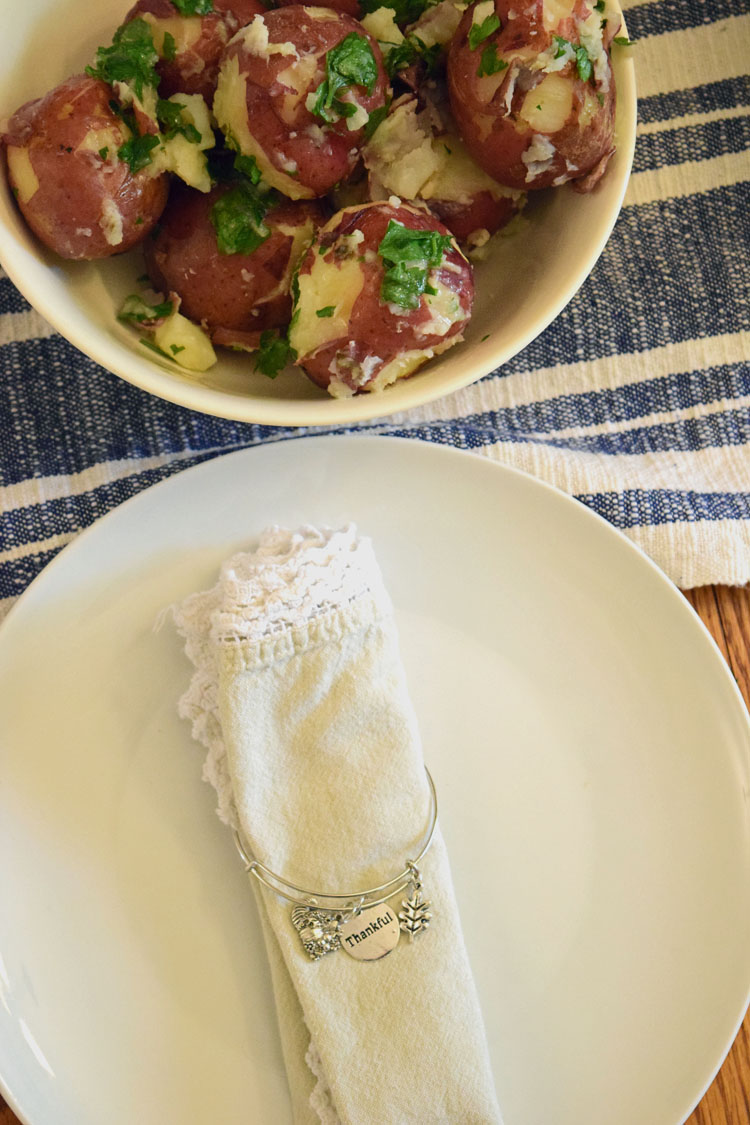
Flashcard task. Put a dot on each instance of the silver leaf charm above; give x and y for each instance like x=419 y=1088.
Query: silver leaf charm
x=415 y=916
x=318 y=930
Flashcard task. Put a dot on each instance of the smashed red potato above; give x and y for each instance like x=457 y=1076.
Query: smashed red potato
x=439 y=118
x=532 y=90
x=190 y=46
x=416 y=154
x=235 y=296
x=271 y=105
x=78 y=197
x=381 y=290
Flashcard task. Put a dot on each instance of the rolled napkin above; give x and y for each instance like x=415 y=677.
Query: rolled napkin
x=300 y=698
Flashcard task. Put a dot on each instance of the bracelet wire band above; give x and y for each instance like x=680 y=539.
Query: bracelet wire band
x=342 y=900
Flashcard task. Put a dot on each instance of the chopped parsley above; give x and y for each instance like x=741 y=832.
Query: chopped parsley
x=175 y=349
x=154 y=348
x=274 y=353
x=170 y=119
x=490 y=63
x=237 y=218
x=247 y=166
x=194 y=7
x=136 y=311
x=405 y=11
x=377 y=117
x=329 y=310
x=169 y=47
x=478 y=32
x=584 y=65
x=131 y=58
x=599 y=6
x=622 y=41
x=136 y=152
x=408 y=255
x=412 y=50
x=104 y=152
x=350 y=63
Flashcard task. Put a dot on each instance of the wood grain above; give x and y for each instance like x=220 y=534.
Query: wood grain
x=725 y=611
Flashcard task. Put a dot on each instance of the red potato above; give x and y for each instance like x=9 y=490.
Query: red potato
x=348 y=7
x=415 y=154
x=485 y=212
x=235 y=296
x=539 y=119
x=351 y=336
x=269 y=77
x=199 y=41
x=77 y=196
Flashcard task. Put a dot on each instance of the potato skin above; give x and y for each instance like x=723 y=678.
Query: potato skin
x=195 y=67
x=516 y=151
x=300 y=154
x=484 y=212
x=374 y=335
x=235 y=296
x=348 y=7
x=85 y=205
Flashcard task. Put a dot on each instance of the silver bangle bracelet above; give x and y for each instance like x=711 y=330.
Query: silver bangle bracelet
x=329 y=913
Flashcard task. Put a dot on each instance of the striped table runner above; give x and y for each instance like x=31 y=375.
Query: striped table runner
x=636 y=400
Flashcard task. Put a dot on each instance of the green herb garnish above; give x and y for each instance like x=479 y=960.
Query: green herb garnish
x=169 y=115
x=136 y=311
x=154 y=348
x=478 y=32
x=237 y=218
x=412 y=50
x=408 y=255
x=584 y=65
x=194 y=7
x=350 y=63
x=599 y=6
x=131 y=58
x=623 y=41
x=405 y=11
x=169 y=47
x=175 y=349
x=274 y=353
x=377 y=117
x=329 y=310
x=247 y=166
x=490 y=63
x=103 y=152
x=137 y=151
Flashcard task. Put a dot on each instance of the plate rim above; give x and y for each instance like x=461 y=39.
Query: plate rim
x=587 y=515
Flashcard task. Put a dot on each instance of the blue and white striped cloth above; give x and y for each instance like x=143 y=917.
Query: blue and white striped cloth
x=636 y=400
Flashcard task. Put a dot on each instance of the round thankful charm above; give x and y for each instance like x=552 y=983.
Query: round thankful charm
x=371 y=934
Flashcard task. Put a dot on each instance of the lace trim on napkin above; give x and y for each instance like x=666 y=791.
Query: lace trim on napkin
x=292 y=580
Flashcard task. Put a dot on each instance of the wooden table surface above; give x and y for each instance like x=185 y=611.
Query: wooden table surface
x=726 y=612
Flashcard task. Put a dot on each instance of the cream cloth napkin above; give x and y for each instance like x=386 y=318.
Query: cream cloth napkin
x=300 y=698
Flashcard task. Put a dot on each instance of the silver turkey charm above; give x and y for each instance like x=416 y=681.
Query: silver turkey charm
x=318 y=930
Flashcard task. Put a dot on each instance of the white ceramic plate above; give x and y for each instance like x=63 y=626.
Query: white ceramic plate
x=520 y=290
x=592 y=758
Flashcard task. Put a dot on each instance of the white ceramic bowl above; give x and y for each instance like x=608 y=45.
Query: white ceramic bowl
x=527 y=280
